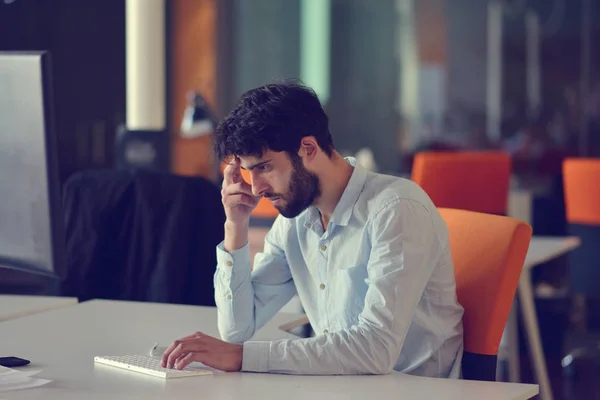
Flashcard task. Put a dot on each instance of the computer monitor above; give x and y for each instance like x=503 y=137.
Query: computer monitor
x=31 y=217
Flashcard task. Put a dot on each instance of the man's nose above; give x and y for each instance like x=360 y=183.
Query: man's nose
x=258 y=185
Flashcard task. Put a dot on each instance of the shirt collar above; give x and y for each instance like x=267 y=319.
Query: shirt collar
x=343 y=210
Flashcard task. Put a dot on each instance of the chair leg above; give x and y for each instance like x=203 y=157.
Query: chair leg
x=578 y=313
x=512 y=332
x=508 y=354
x=533 y=334
x=578 y=321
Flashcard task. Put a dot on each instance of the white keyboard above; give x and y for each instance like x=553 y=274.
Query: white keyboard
x=150 y=366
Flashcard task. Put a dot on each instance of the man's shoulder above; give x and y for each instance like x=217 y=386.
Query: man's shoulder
x=399 y=197
x=381 y=191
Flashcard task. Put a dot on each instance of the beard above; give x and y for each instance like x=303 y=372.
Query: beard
x=303 y=190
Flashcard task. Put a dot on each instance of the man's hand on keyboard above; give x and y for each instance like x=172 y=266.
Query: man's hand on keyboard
x=206 y=349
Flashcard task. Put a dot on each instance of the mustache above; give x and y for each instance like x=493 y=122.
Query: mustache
x=270 y=196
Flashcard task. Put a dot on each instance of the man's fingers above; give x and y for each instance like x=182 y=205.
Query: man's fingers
x=232 y=173
x=181 y=349
x=240 y=199
x=235 y=188
x=181 y=356
x=166 y=354
x=191 y=345
x=183 y=362
x=173 y=347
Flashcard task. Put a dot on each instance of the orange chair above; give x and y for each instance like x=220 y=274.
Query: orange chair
x=488 y=253
x=470 y=180
x=264 y=210
x=581 y=179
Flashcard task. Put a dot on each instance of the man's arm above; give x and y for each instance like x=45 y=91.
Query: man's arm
x=403 y=255
x=247 y=299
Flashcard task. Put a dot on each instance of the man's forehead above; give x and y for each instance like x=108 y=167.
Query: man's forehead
x=249 y=161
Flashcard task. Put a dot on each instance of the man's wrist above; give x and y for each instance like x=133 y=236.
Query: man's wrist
x=239 y=355
x=236 y=235
x=236 y=225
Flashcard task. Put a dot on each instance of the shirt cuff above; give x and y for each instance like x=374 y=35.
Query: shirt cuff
x=255 y=357
x=228 y=261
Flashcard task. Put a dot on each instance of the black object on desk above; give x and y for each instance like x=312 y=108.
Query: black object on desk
x=11 y=362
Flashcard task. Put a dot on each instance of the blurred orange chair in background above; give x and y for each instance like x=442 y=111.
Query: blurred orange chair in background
x=581 y=178
x=470 y=180
x=582 y=190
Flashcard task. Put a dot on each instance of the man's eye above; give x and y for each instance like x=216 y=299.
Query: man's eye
x=263 y=168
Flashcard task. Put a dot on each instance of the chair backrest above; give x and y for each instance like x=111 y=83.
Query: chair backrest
x=581 y=181
x=581 y=178
x=467 y=180
x=141 y=236
x=488 y=252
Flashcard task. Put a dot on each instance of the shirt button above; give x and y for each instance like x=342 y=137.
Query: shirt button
x=229 y=264
x=322 y=286
x=323 y=248
x=229 y=297
x=325 y=331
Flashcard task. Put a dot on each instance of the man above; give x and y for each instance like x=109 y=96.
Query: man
x=367 y=254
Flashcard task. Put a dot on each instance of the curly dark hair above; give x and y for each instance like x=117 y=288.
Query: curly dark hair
x=273 y=117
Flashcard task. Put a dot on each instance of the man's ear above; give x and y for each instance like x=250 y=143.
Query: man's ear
x=309 y=148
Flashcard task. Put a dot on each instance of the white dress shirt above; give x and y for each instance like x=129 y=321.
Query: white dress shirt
x=377 y=286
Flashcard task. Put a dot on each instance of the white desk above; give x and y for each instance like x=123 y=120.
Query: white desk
x=541 y=250
x=15 y=306
x=63 y=344
x=546 y=248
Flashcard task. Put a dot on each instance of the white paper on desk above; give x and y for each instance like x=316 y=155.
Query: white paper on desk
x=11 y=379
x=29 y=383
x=8 y=372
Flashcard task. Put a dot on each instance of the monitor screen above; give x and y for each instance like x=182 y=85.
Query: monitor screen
x=31 y=234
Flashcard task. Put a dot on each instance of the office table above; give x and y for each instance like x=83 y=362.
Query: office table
x=541 y=249
x=15 y=306
x=63 y=344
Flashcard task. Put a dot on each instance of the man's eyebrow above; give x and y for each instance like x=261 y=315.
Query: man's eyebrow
x=250 y=168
